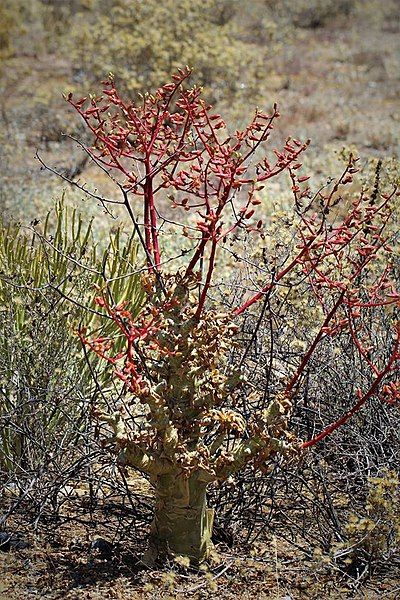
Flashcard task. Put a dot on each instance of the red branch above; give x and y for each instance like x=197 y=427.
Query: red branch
x=394 y=357
x=172 y=148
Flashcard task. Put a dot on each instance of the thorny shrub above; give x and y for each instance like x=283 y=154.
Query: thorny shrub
x=309 y=503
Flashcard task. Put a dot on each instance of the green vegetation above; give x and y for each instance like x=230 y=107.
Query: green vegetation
x=144 y=42
x=376 y=532
x=49 y=276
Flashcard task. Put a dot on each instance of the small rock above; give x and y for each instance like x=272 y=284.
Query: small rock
x=4 y=541
x=18 y=544
x=9 y=541
x=103 y=547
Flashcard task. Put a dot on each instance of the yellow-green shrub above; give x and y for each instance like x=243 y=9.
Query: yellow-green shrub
x=47 y=277
x=376 y=531
x=143 y=42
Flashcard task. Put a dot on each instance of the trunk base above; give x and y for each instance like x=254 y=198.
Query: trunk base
x=182 y=525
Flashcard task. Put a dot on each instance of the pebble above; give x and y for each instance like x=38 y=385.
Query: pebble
x=10 y=541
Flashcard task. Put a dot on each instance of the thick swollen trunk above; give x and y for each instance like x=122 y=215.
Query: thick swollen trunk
x=182 y=524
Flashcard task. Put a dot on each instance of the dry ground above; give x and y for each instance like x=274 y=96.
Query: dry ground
x=62 y=564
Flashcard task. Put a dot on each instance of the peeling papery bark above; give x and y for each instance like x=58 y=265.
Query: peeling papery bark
x=182 y=525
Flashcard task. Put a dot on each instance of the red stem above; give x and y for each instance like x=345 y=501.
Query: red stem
x=260 y=294
x=147 y=228
x=344 y=418
x=197 y=255
x=211 y=263
x=151 y=221
x=333 y=426
x=316 y=341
